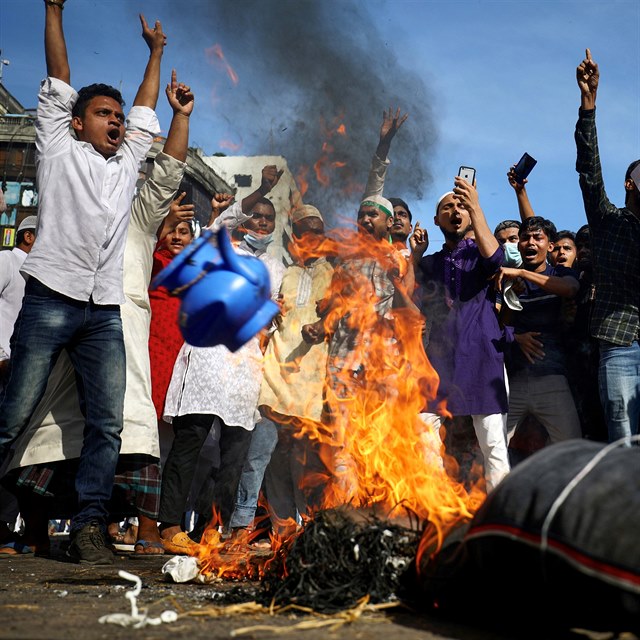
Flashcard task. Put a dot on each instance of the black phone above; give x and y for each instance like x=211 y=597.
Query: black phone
x=523 y=168
x=468 y=174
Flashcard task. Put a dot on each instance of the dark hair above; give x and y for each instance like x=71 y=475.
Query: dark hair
x=399 y=202
x=583 y=236
x=538 y=223
x=20 y=235
x=631 y=167
x=267 y=202
x=506 y=224
x=565 y=233
x=86 y=94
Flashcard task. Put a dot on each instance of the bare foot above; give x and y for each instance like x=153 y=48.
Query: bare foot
x=149 y=541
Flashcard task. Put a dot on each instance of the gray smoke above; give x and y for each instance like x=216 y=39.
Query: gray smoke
x=302 y=63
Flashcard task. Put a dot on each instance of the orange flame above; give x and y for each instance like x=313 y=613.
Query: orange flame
x=379 y=447
x=228 y=144
x=215 y=57
x=301 y=180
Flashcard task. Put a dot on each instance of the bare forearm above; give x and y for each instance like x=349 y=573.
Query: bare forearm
x=54 y=44
x=178 y=137
x=253 y=198
x=587 y=101
x=382 y=151
x=524 y=205
x=563 y=287
x=147 y=95
x=487 y=244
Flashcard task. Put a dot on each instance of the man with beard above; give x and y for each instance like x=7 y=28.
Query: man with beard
x=465 y=339
x=537 y=365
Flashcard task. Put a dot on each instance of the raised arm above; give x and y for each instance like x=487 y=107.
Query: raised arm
x=269 y=179
x=524 y=206
x=238 y=213
x=588 y=77
x=468 y=197
x=55 y=47
x=596 y=203
x=181 y=102
x=391 y=123
x=147 y=95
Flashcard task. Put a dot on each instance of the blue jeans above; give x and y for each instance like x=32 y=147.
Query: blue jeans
x=92 y=335
x=264 y=438
x=619 y=382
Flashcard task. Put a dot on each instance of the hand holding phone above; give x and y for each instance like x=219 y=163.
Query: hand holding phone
x=468 y=174
x=523 y=168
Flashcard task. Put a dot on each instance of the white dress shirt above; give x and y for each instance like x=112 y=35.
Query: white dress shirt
x=84 y=200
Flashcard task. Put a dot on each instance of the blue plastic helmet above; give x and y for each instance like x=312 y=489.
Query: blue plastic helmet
x=226 y=297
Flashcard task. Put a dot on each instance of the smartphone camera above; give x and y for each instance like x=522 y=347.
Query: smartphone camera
x=468 y=174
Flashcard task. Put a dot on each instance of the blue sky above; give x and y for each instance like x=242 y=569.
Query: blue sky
x=486 y=80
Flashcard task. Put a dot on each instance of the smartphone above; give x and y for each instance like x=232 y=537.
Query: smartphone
x=468 y=174
x=523 y=168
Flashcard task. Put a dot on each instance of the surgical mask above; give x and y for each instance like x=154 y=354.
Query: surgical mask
x=512 y=256
x=258 y=242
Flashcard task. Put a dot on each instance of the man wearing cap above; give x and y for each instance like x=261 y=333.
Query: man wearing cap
x=366 y=286
x=402 y=219
x=11 y=294
x=465 y=339
x=291 y=391
x=12 y=286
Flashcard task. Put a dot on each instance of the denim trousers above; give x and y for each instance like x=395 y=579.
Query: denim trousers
x=280 y=463
x=264 y=438
x=619 y=384
x=92 y=335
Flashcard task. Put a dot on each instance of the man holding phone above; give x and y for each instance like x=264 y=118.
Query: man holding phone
x=615 y=239
x=465 y=339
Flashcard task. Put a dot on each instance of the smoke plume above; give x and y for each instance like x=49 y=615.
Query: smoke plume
x=305 y=68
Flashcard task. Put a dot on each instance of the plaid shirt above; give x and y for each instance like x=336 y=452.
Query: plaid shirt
x=615 y=239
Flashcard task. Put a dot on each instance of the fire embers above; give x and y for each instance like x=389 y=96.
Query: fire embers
x=338 y=559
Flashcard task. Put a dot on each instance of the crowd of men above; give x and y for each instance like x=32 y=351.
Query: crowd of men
x=529 y=330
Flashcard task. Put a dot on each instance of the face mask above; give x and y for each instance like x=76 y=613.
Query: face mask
x=512 y=257
x=258 y=242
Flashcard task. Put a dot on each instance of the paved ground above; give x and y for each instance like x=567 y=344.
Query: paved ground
x=54 y=599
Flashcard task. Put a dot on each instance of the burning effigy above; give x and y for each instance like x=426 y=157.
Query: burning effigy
x=386 y=473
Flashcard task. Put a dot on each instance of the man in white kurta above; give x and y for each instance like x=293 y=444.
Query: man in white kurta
x=212 y=386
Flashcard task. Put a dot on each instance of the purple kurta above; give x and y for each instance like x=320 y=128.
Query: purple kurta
x=465 y=340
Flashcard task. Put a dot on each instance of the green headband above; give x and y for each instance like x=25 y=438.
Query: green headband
x=376 y=205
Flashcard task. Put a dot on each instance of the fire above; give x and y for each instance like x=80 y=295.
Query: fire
x=301 y=181
x=383 y=452
x=215 y=57
x=378 y=450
